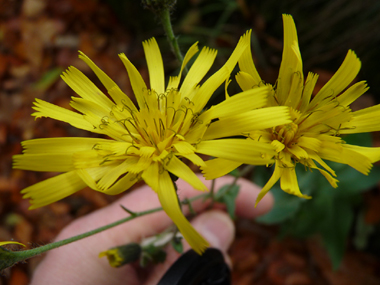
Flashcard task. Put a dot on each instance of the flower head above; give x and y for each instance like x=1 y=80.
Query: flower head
x=313 y=135
x=123 y=254
x=146 y=141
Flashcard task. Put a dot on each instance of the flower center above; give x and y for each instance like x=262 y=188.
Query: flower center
x=164 y=120
x=285 y=133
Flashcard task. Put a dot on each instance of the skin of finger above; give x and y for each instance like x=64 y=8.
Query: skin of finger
x=198 y=222
x=79 y=262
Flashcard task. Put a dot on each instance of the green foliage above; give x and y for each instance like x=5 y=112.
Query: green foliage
x=330 y=212
x=49 y=78
x=7 y=258
x=177 y=244
x=227 y=195
x=153 y=254
x=362 y=232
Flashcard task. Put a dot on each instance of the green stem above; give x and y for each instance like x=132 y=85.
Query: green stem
x=212 y=193
x=242 y=173
x=9 y=258
x=167 y=25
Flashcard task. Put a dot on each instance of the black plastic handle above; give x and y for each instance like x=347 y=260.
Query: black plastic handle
x=193 y=269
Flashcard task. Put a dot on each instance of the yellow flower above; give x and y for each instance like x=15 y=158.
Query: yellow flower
x=313 y=134
x=146 y=142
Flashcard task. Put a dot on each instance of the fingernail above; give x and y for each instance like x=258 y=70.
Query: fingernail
x=217 y=228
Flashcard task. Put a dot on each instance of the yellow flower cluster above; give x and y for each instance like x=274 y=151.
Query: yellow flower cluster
x=262 y=125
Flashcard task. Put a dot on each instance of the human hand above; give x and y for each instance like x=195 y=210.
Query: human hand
x=78 y=262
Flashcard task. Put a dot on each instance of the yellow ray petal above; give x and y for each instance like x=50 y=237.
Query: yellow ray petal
x=274 y=178
x=194 y=159
x=44 y=162
x=197 y=71
x=105 y=125
x=352 y=93
x=114 y=173
x=341 y=79
x=122 y=184
x=183 y=147
x=311 y=80
x=322 y=163
x=207 y=89
x=142 y=164
x=88 y=158
x=121 y=99
x=298 y=152
x=151 y=174
x=246 y=64
x=218 y=167
x=174 y=80
x=138 y=84
x=342 y=154
x=289 y=183
x=226 y=83
x=45 y=109
x=363 y=121
x=87 y=106
x=246 y=122
x=372 y=153
x=356 y=160
x=104 y=78
x=291 y=60
x=309 y=143
x=60 y=145
x=178 y=168
x=84 y=87
x=278 y=145
x=53 y=189
x=91 y=175
x=241 y=102
x=196 y=133
x=333 y=182
x=246 y=81
x=169 y=201
x=155 y=65
x=11 y=242
x=295 y=92
x=239 y=150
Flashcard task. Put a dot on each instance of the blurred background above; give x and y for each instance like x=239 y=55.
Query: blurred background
x=333 y=238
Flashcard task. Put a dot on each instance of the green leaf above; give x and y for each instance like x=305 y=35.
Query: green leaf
x=335 y=229
x=227 y=195
x=285 y=207
x=261 y=175
x=177 y=244
x=48 y=79
x=353 y=182
x=235 y=173
x=362 y=139
x=362 y=232
x=308 y=219
x=230 y=200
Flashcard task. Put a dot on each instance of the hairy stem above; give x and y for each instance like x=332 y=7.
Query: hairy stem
x=9 y=258
x=167 y=25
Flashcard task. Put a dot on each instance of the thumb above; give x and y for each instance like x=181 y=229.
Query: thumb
x=215 y=226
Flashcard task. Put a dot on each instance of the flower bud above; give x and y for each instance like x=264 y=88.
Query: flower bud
x=120 y=255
